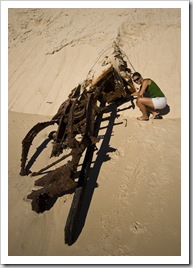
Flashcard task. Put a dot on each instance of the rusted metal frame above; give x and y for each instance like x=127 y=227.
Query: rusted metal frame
x=61 y=134
x=27 y=142
x=119 y=85
x=62 y=109
x=57 y=146
x=80 y=126
x=90 y=150
x=79 y=114
x=74 y=213
x=62 y=179
x=70 y=127
x=51 y=165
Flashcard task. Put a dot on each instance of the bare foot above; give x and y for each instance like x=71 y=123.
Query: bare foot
x=142 y=118
x=154 y=115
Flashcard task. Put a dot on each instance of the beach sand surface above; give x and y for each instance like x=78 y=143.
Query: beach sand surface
x=134 y=204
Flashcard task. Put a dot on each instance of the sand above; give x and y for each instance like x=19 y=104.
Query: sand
x=135 y=210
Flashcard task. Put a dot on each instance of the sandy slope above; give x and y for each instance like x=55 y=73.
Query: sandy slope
x=51 y=51
x=135 y=210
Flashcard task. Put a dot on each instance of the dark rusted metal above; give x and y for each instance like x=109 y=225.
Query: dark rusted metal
x=78 y=120
x=27 y=142
x=75 y=210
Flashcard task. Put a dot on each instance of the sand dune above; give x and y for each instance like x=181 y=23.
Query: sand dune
x=135 y=210
x=51 y=51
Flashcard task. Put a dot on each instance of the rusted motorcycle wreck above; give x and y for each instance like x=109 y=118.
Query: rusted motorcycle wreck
x=78 y=120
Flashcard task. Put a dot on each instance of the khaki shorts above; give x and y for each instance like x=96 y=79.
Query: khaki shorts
x=159 y=103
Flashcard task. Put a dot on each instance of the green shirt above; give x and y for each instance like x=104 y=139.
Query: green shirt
x=154 y=91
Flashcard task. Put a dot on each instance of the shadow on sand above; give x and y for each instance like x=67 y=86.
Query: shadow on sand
x=84 y=192
x=76 y=219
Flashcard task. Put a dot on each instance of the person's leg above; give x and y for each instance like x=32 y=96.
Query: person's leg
x=158 y=103
x=143 y=104
x=153 y=111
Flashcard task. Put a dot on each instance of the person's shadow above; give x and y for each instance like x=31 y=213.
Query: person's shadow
x=164 y=111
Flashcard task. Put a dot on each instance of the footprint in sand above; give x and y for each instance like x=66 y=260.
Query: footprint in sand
x=138 y=228
x=154 y=180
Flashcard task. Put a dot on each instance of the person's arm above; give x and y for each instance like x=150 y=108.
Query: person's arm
x=144 y=86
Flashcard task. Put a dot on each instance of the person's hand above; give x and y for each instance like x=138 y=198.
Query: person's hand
x=135 y=94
